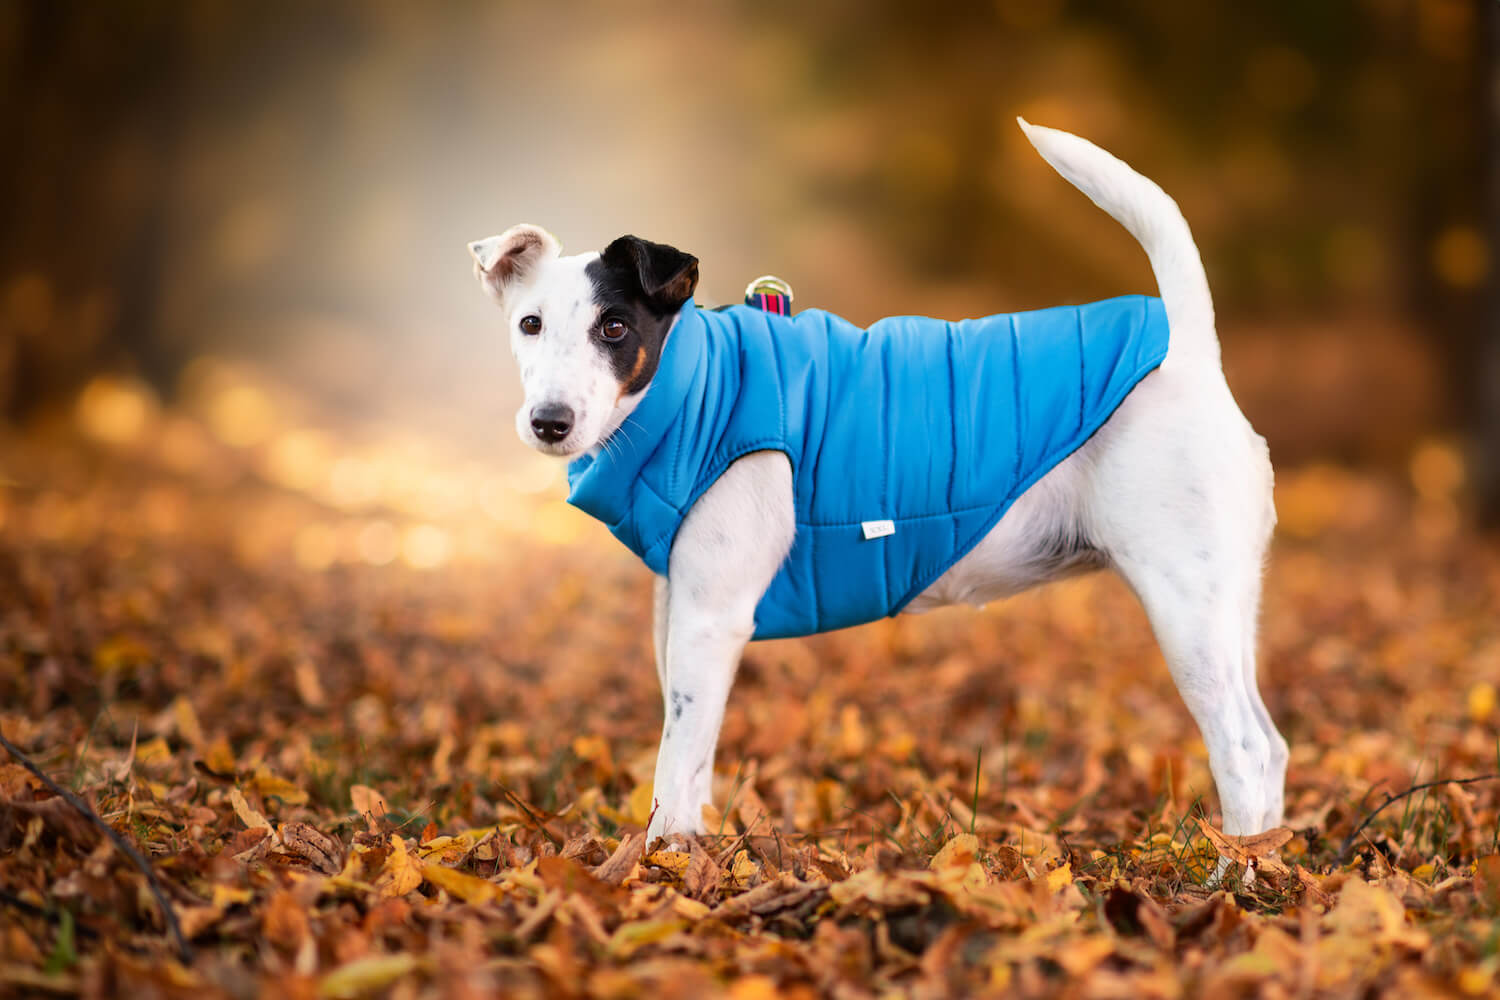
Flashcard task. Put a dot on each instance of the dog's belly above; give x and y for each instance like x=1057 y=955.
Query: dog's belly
x=1043 y=537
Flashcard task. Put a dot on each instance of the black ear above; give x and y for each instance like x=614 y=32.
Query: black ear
x=667 y=275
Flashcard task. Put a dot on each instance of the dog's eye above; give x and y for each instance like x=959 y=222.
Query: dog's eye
x=613 y=331
x=531 y=325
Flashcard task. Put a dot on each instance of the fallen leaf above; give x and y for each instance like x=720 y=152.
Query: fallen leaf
x=401 y=873
x=269 y=785
x=317 y=849
x=623 y=861
x=365 y=975
x=702 y=876
x=459 y=884
x=367 y=801
x=248 y=816
x=1248 y=850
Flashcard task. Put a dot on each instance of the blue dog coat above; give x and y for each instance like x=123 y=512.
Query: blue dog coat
x=907 y=441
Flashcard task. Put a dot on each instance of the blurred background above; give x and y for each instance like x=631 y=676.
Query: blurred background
x=239 y=229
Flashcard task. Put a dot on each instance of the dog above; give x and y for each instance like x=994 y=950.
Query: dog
x=1161 y=478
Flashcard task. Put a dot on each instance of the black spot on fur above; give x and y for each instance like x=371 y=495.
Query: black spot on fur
x=641 y=284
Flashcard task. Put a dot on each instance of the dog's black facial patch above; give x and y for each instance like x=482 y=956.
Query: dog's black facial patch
x=641 y=285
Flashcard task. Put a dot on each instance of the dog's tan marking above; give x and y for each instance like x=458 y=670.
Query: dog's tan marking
x=640 y=362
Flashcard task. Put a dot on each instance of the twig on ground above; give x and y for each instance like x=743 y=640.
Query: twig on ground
x=158 y=891
x=535 y=820
x=1393 y=797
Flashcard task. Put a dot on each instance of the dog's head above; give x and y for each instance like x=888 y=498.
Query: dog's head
x=587 y=331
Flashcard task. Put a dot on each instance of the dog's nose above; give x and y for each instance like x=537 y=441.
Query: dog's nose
x=552 y=421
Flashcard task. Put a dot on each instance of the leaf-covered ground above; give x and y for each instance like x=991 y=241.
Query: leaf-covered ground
x=384 y=722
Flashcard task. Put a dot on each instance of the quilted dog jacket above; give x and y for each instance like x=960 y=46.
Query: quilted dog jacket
x=907 y=441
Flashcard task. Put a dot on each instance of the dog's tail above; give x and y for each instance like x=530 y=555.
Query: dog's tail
x=1154 y=219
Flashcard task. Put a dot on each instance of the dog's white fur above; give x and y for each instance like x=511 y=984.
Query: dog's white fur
x=1174 y=491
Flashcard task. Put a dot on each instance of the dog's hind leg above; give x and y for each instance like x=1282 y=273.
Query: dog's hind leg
x=1199 y=624
x=1183 y=511
x=1274 y=803
x=727 y=552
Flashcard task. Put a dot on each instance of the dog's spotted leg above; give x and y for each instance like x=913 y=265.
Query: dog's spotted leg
x=728 y=550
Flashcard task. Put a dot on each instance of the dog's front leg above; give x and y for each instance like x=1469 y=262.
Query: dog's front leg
x=726 y=554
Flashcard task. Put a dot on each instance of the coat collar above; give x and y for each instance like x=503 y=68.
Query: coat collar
x=599 y=483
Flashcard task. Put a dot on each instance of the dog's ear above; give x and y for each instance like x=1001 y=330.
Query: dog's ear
x=501 y=260
x=667 y=276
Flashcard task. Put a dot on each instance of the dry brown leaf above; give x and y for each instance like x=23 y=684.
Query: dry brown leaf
x=250 y=846
x=623 y=861
x=702 y=877
x=318 y=850
x=284 y=921
x=1247 y=850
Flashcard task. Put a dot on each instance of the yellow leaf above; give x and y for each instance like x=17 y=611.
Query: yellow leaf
x=1476 y=979
x=227 y=896
x=402 y=873
x=219 y=757
x=852 y=738
x=631 y=937
x=690 y=909
x=153 y=752
x=639 y=806
x=437 y=845
x=243 y=810
x=1481 y=701
x=1060 y=878
x=959 y=851
x=186 y=720
x=675 y=862
x=595 y=750
x=460 y=885
x=1080 y=957
x=754 y=988
x=268 y=785
x=742 y=869
x=120 y=651
x=365 y=975
x=883 y=889
x=897 y=747
x=1369 y=914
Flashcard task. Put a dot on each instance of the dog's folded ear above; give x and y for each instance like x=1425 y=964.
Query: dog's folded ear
x=502 y=259
x=667 y=276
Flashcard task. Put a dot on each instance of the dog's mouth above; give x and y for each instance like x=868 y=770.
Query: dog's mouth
x=558 y=449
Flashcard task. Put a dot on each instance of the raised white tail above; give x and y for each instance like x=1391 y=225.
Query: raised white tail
x=1153 y=218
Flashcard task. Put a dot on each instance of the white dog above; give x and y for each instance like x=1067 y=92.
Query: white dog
x=1172 y=491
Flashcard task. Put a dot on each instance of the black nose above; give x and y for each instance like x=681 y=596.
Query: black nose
x=552 y=421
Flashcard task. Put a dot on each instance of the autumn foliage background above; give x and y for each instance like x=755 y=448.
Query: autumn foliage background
x=284 y=599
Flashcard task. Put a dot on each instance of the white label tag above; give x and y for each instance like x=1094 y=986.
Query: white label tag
x=878 y=529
